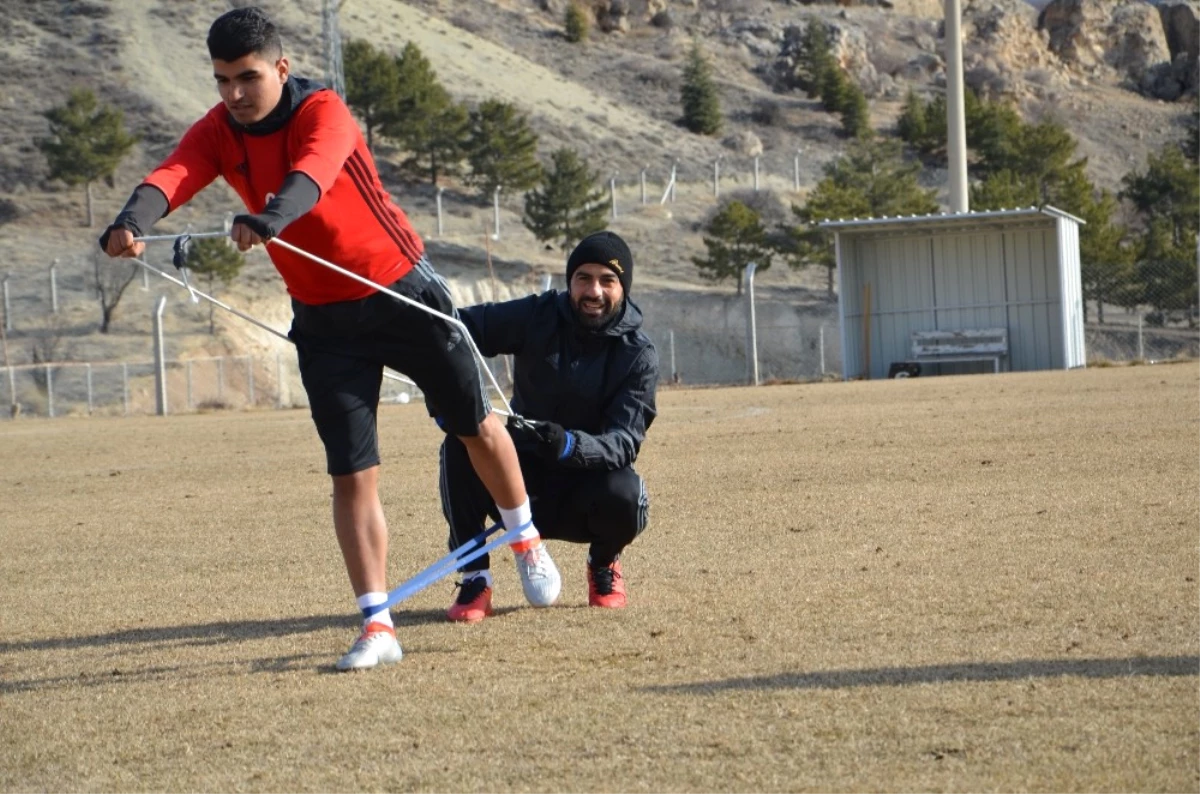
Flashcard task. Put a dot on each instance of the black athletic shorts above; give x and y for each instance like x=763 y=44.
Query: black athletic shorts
x=343 y=348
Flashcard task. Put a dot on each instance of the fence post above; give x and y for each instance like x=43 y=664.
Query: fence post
x=674 y=370
x=54 y=287
x=250 y=379
x=89 y=387
x=756 y=173
x=49 y=391
x=752 y=326
x=674 y=183
x=612 y=193
x=717 y=178
x=160 y=363
x=439 y=210
x=796 y=172
x=125 y=385
x=1141 y=341
x=643 y=180
x=7 y=306
x=496 y=213
x=822 y=349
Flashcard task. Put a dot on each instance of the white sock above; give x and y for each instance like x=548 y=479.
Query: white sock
x=519 y=516
x=486 y=574
x=369 y=603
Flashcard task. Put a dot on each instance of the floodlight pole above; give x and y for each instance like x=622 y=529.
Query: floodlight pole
x=956 y=125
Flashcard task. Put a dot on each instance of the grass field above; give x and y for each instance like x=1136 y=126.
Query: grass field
x=982 y=583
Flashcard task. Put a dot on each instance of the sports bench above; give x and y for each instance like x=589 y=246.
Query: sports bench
x=945 y=347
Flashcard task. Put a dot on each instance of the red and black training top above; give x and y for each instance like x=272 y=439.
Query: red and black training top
x=354 y=224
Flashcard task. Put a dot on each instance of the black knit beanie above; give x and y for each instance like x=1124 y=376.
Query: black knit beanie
x=603 y=248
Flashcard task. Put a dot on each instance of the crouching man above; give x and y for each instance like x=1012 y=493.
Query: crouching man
x=584 y=384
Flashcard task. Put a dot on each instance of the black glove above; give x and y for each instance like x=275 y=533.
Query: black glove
x=547 y=439
x=266 y=225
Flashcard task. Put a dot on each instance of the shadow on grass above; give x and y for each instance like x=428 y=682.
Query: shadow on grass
x=217 y=633
x=949 y=673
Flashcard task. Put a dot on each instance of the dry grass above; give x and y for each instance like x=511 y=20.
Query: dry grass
x=975 y=583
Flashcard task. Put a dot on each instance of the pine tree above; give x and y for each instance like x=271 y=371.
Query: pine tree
x=502 y=148
x=701 y=104
x=869 y=180
x=815 y=57
x=856 y=115
x=911 y=124
x=372 y=85
x=735 y=237
x=214 y=259
x=569 y=205
x=834 y=89
x=87 y=142
x=426 y=121
x=575 y=23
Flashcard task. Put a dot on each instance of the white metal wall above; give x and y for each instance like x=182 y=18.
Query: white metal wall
x=1074 y=352
x=927 y=279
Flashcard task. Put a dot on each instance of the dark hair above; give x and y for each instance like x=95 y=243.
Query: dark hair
x=242 y=32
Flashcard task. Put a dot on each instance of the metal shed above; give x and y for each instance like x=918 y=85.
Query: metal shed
x=1016 y=270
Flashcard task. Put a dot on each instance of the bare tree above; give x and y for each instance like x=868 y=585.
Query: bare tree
x=48 y=345
x=111 y=281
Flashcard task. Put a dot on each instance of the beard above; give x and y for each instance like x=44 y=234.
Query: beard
x=594 y=321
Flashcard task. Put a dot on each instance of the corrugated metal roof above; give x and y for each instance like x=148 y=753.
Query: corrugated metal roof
x=943 y=220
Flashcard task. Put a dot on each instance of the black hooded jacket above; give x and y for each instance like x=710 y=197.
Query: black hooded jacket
x=598 y=385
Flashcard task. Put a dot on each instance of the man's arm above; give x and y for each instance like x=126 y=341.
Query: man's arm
x=326 y=135
x=625 y=421
x=499 y=329
x=186 y=171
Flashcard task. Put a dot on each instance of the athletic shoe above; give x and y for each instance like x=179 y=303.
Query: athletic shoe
x=606 y=586
x=474 y=602
x=375 y=646
x=539 y=575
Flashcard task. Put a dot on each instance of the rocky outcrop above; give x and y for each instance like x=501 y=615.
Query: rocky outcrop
x=1091 y=35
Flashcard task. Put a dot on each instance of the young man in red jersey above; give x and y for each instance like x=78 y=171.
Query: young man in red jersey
x=294 y=154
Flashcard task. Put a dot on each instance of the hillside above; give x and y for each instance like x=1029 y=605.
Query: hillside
x=615 y=99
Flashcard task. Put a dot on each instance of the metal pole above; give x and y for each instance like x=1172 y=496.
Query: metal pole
x=956 y=125
x=7 y=306
x=89 y=387
x=54 y=287
x=674 y=183
x=717 y=178
x=756 y=173
x=439 y=210
x=145 y=280
x=160 y=363
x=1141 y=345
x=191 y=403
x=796 y=171
x=547 y=280
x=752 y=325
x=49 y=391
x=125 y=385
x=496 y=213
x=612 y=193
x=643 y=180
